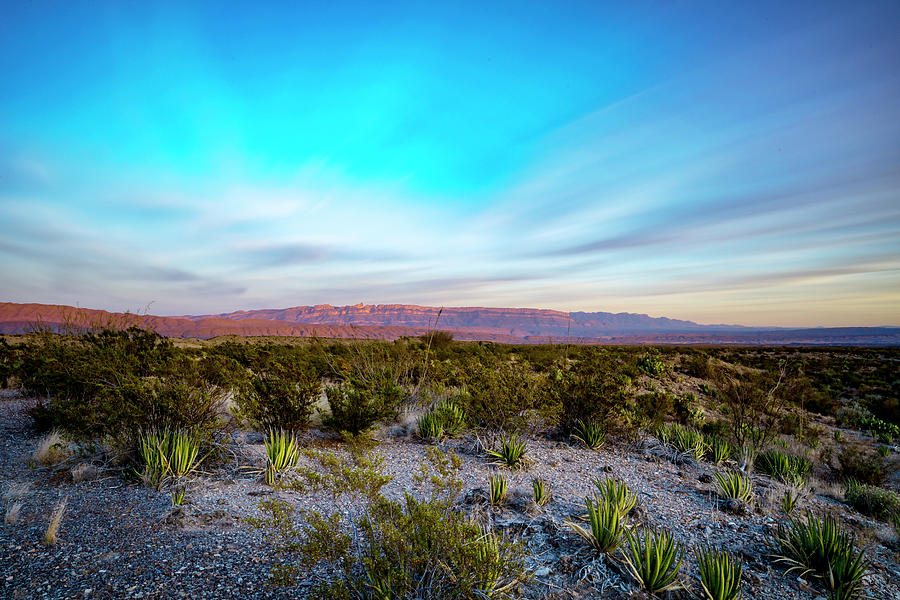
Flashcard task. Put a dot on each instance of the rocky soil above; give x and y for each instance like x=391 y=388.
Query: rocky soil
x=121 y=540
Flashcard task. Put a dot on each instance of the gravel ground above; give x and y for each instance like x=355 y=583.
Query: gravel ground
x=121 y=540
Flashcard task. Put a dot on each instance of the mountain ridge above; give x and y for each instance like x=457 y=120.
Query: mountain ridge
x=393 y=321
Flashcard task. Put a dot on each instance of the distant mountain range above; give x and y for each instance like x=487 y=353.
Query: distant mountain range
x=392 y=321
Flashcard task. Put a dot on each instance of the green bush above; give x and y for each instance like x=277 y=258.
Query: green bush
x=501 y=395
x=401 y=549
x=356 y=409
x=873 y=501
x=592 y=392
x=856 y=464
x=651 y=364
x=273 y=402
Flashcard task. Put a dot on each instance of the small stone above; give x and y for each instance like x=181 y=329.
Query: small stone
x=542 y=572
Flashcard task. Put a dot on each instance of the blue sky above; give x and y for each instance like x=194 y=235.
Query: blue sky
x=690 y=160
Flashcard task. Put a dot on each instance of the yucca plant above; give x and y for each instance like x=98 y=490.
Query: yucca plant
x=734 y=484
x=745 y=456
x=589 y=433
x=616 y=491
x=282 y=453
x=487 y=550
x=541 y=491
x=653 y=558
x=719 y=450
x=168 y=453
x=720 y=574
x=663 y=433
x=511 y=453
x=689 y=442
x=430 y=426
x=823 y=548
x=452 y=417
x=497 y=488
x=607 y=525
x=787 y=468
x=789 y=500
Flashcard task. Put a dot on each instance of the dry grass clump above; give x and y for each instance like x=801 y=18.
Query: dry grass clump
x=51 y=450
x=84 y=472
x=12 y=513
x=51 y=535
x=13 y=495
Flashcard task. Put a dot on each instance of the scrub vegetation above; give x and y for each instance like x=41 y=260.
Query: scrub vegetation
x=765 y=429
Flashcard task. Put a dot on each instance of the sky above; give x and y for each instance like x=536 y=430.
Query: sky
x=721 y=162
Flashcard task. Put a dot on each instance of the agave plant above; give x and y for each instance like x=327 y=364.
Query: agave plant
x=511 y=453
x=689 y=442
x=616 y=491
x=541 y=491
x=734 y=484
x=784 y=467
x=789 y=500
x=497 y=485
x=168 y=453
x=720 y=574
x=823 y=548
x=282 y=452
x=429 y=426
x=654 y=558
x=719 y=450
x=451 y=417
x=589 y=433
x=607 y=525
x=663 y=433
x=487 y=550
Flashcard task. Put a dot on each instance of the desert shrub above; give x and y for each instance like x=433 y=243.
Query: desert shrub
x=864 y=467
x=753 y=403
x=356 y=408
x=655 y=407
x=502 y=396
x=592 y=392
x=696 y=364
x=784 y=467
x=873 y=501
x=651 y=364
x=860 y=417
x=411 y=548
x=687 y=441
x=9 y=363
x=823 y=548
x=271 y=402
x=718 y=449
